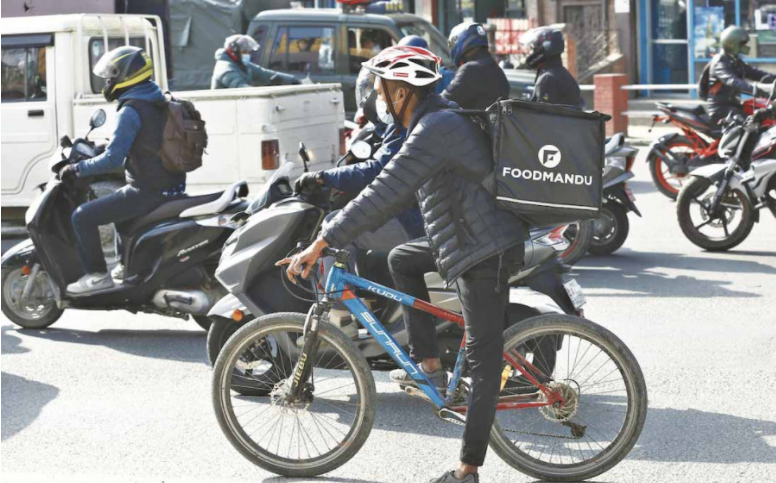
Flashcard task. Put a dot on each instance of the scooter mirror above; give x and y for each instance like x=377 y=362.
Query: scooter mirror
x=304 y=155
x=361 y=150
x=98 y=119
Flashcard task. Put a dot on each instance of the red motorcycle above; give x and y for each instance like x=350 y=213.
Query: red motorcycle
x=673 y=156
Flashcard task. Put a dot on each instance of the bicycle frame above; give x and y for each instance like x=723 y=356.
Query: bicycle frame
x=340 y=285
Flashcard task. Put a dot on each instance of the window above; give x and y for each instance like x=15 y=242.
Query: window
x=96 y=51
x=260 y=36
x=365 y=43
x=436 y=42
x=24 y=74
x=303 y=50
x=758 y=17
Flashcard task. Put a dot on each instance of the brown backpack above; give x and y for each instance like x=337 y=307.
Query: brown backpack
x=185 y=137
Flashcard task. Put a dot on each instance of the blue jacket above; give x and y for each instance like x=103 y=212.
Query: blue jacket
x=127 y=127
x=228 y=74
x=356 y=177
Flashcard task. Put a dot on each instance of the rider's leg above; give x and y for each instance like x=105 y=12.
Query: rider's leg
x=484 y=298
x=126 y=203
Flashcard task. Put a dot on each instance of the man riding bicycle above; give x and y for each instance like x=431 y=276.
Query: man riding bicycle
x=475 y=245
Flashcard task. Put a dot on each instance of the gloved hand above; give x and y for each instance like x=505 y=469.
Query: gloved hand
x=308 y=182
x=69 y=172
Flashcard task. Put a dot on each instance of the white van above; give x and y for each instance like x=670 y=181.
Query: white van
x=48 y=91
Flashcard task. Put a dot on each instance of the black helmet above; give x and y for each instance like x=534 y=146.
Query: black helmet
x=123 y=68
x=542 y=43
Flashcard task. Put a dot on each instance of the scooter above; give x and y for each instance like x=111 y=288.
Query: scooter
x=279 y=221
x=718 y=208
x=170 y=254
x=611 y=228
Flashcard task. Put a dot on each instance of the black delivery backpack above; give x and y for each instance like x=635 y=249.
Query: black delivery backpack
x=548 y=161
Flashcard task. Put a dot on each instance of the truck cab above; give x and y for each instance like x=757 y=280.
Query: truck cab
x=329 y=45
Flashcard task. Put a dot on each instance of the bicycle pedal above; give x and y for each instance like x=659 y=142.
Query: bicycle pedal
x=450 y=416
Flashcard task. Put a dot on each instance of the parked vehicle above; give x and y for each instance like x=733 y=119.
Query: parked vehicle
x=719 y=206
x=278 y=221
x=328 y=45
x=170 y=254
x=673 y=156
x=611 y=229
x=251 y=131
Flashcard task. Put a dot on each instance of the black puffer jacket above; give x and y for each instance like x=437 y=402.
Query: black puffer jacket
x=555 y=85
x=442 y=164
x=478 y=83
x=729 y=77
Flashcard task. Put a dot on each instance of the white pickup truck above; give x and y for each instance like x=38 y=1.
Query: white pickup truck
x=48 y=91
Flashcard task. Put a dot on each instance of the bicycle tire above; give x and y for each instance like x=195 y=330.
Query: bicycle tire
x=344 y=348
x=636 y=415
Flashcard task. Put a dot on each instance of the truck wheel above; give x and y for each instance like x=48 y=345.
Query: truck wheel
x=100 y=189
x=39 y=310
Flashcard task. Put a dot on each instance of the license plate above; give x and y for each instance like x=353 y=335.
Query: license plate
x=575 y=293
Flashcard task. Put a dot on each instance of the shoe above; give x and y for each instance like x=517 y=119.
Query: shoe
x=449 y=477
x=437 y=378
x=118 y=272
x=91 y=282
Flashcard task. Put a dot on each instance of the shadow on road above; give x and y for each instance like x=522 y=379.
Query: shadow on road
x=173 y=345
x=638 y=274
x=22 y=402
x=10 y=343
x=332 y=479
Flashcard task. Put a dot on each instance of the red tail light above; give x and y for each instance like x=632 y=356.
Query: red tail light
x=270 y=154
x=343 y=141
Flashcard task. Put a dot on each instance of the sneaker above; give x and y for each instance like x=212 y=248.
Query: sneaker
x=437 y=378
x=89 y=283
x=449 y=477
x=118 y=272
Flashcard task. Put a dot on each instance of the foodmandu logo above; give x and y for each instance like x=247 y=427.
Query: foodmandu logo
x=549 y=156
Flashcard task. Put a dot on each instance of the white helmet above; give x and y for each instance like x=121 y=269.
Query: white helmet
x=413 y=65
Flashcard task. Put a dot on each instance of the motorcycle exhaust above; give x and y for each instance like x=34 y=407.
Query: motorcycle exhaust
x=195 y=302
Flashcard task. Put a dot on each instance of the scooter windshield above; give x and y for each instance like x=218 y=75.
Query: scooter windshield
x=263 y=199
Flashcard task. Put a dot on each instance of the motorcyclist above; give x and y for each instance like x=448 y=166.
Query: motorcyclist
x=479 y=81
x=142 y=114
x=474 y=243
x=235 y=69
x=729 y=76
x=554 y=83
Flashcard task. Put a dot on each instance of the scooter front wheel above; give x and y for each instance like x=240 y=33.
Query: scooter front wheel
x=36 y=309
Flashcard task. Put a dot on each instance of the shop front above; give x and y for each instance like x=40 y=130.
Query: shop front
x=679 y=37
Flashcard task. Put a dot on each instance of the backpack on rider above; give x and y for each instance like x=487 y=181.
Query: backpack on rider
x=185 y=137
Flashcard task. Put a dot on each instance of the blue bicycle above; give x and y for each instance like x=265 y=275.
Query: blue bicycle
x=572 y=405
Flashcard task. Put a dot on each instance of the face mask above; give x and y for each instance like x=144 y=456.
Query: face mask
x=383 y=113
x=246 y=58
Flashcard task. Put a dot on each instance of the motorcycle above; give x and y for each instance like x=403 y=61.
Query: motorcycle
x=611 y=228
x=279 y=222
x=582 y=235
x=673 y=156
x=170 y=254
x=718 y=208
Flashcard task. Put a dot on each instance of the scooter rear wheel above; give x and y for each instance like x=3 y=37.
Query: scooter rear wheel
x=611 y=229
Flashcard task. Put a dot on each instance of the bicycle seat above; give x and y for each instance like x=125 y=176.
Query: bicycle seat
x=169 y=210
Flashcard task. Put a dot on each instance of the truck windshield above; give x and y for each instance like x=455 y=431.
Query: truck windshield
x=97 y=50
x=436 y=42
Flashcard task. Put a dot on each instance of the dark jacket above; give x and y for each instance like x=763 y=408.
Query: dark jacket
x=478 y=83
x=442 y=163
x=136 y=142
x=727 y=80
x=356 y=177
x=555 y=85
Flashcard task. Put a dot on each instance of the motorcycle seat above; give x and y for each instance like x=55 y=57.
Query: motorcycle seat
x=169 y=210
x=238 y=189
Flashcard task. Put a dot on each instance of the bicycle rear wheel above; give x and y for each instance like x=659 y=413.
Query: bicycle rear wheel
x=604 y=408
x=301 y=437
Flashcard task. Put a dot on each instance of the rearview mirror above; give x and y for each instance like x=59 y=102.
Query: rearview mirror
x=98 y=118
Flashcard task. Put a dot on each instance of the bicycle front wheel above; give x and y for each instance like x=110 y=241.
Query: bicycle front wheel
x=604 y=400
x=293 y=436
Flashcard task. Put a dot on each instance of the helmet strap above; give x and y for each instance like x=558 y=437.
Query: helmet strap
x=233 y=56
x=389 y=101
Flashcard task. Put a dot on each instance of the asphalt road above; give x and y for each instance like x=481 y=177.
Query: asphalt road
x=120 y=397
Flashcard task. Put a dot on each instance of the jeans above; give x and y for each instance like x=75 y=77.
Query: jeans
x=484 y=297
x=125 y=204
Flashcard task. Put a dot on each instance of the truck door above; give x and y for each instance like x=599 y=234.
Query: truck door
x=29 y=133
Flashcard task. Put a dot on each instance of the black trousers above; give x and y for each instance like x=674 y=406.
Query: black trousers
x=125 y=204
x=484 y=297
